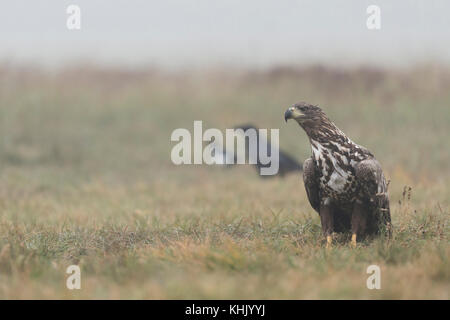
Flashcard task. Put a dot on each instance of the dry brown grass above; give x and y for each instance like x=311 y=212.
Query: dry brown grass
x=86 y=178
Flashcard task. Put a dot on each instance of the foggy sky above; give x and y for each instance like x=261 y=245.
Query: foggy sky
x=202 y=33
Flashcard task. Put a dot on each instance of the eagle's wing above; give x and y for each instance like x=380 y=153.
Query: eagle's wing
x=370 y=179
x=311 y=183
x=373 y=188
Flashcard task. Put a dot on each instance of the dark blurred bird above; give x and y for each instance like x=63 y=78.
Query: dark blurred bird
x=343 y=181
x=287 y=164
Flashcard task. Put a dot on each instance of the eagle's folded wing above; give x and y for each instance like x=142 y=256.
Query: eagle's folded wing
x=373 y=188
x=311 y=183
x=370 y=179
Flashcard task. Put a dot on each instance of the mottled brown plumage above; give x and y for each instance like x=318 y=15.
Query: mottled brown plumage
x=343 y=180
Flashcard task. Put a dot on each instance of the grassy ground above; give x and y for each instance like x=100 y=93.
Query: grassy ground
x=86 y=178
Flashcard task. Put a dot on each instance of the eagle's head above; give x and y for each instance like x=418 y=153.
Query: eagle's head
x=307 y=115
x=311 y=118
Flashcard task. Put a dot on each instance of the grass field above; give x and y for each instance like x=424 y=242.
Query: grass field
x=86 y=178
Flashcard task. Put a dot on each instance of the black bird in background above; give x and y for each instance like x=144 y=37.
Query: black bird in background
x=287 y=164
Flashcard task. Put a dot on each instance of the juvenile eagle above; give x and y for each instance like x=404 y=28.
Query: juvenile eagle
x=344 y=182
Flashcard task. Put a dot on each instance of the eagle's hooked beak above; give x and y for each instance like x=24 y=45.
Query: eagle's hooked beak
x=293 y=113
x=288 y=114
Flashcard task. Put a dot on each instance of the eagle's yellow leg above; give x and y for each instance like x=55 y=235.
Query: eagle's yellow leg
x=354 y=240
x=329 y=240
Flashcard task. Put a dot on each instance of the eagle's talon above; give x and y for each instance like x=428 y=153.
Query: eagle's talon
x=354 y=240
x=329 y=242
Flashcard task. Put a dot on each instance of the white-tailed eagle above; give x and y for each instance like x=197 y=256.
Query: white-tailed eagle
x=343 y=181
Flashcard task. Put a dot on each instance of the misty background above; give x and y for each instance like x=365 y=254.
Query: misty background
x=178 y=34
x=86 y=175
